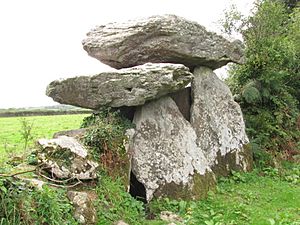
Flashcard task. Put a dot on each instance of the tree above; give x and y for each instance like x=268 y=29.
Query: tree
x=291 y=4
x=267 y=85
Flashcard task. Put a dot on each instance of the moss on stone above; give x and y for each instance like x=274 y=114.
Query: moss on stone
x=198 y=189
x=203 y=184
x=225 y=164
x=248 y=156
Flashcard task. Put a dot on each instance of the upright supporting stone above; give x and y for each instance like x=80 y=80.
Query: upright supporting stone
x=166 y=159
x=219 y=125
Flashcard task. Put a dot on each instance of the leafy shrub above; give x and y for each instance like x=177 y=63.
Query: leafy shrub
x=106 y=131
x=267 y=85
x=291 y=174
x=106 y=137
x=21 y=204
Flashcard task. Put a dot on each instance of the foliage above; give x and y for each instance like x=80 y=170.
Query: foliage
x=106 y=132
x=291 y=4
x=26 y=131
x=232 y=21
x=22 y=204
x=114 y=203
x=267 y=86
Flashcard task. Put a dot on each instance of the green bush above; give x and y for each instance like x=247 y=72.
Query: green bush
x=267 y=85
x=22 y=204
x=106 y=131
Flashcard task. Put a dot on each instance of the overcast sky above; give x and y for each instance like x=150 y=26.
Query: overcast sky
x=41 y=40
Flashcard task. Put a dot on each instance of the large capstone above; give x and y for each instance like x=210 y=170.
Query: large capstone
x=219 y=125
x=126 y=87
x=65 y=158
x=166 y=159
x=158 y=39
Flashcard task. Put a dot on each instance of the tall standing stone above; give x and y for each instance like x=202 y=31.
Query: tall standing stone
x=219 y=125
x=166 y=159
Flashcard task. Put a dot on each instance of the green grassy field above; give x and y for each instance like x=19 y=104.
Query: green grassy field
x=11 y=141
x=255 y=199
x=263 y=197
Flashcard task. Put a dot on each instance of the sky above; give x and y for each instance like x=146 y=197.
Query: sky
x=40 y=41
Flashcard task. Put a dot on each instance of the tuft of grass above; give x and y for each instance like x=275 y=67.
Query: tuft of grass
x=114 y=203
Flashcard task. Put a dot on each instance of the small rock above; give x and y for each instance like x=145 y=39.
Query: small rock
x=64 y=157
x=120 y=222
x=85 y=212
x=78 y=133
x=170 y=217
x=34 y=182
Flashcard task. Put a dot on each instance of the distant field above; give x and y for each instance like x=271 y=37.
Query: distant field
x=42 y=113
x=11 y=141
x=59 y=109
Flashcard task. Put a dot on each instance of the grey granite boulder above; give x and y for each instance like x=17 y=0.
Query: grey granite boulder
x=77 y=133
x=219 y=125
x=65 y=158
x=158 y=39
x=126 y=87
x=85 y=212
x=165 y=158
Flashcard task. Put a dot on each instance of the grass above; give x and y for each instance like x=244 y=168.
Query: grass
x=263 y=197
x=258 y=200
x=11 y=141
x=255 y=198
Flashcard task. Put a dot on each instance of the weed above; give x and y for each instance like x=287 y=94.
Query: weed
x=26 y=131
x=292 y=175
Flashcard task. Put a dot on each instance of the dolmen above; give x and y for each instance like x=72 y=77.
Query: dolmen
x=188 y=128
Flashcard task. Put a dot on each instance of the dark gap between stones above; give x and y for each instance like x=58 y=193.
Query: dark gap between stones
x=183 y=100
x=137 y=189
x=127 y=111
